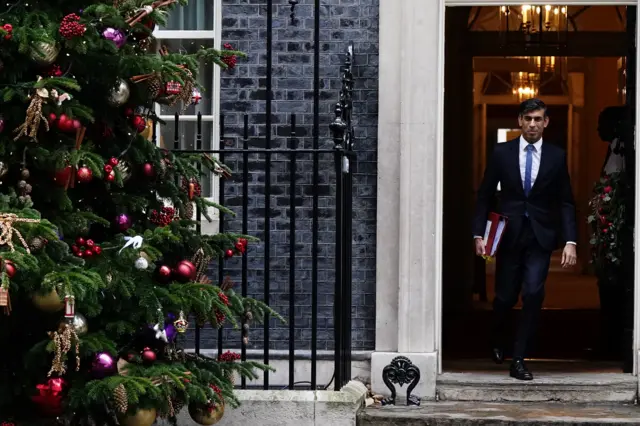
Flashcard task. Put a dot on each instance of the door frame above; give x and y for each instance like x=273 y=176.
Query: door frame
x=440 y=141
x=410 y=180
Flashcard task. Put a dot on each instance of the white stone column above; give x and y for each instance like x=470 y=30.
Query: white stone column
x=388 y=204
x=409 y=225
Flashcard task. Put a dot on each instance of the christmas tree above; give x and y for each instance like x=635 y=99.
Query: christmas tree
x=102 y=267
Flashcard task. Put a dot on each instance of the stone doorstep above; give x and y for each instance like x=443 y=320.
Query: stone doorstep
x=499 y=414
x=557 y=387
x=291 y=408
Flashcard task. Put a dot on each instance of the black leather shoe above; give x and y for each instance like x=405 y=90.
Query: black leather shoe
x=497 y=355
x=519 y=370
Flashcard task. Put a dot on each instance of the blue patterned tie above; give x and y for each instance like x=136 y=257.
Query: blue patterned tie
x=527 y=171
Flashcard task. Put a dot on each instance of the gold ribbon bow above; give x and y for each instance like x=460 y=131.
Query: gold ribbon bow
x=7 y=230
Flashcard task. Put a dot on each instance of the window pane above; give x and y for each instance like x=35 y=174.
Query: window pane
x=196 y=16
x=205 y=77
x=187 y=131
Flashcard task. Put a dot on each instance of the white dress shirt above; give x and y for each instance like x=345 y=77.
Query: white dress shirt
x=535 y=165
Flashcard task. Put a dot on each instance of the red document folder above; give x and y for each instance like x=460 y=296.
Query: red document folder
x=496 y=225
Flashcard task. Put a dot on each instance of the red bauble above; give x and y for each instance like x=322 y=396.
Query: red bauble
x=88 y=253
x=128 y=112
x=65 y=124
x=164 y=273
x=77 y=124
x=80 y=241
x=84 y=174
x=10 y=269
x=113 y=161
x=52 y=118
x=62 y=176
x=139 y=123
x=186 y=271
x=148 y=355
x=110 y=177
x=75 y=249
x=240 y=247
x=148 y=170
x=89 y=243
x=80 y=253
x=228 y=253
x=108 y=168
x=49 y=398
x=97 y=249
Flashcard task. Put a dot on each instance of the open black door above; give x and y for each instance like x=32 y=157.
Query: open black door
x=629 y=154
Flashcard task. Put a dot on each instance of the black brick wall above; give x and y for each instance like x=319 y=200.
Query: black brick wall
x=243 y=92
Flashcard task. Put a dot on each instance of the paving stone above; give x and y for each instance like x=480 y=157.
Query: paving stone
x=499 y=414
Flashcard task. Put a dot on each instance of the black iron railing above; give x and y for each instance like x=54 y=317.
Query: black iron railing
x=252 y=174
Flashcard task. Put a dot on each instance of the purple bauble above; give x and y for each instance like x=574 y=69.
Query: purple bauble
x=123 y=221
x=103 y=365
x=116 y=36
x=170 y=330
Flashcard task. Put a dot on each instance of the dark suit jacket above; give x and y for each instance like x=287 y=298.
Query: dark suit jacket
x=550 y=202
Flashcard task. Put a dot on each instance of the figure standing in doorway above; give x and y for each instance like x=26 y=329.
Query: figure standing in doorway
x=537 y=198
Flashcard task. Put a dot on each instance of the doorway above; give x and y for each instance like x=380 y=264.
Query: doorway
x=573 y=327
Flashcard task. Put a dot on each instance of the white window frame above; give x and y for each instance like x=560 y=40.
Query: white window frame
x=207 y=228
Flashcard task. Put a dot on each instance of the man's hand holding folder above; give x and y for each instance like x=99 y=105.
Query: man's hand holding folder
x=487 y=247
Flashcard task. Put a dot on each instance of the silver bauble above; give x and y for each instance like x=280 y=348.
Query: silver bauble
x=119 y=94
x=44 y=52
x=79 y=324
x=141 y=263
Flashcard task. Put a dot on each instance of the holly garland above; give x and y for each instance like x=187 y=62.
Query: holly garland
x=607 y=221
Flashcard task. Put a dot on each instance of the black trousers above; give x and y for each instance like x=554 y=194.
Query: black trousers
x=521 y=268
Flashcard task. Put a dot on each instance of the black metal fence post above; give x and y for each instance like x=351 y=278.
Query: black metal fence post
x=338 y=128
x=245 y=230
x=292 y=252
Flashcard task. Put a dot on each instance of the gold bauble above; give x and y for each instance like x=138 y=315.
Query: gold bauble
x=49 y=302
x=44 y=52
x=142 y=417
x=147 y=133
x=204 y=417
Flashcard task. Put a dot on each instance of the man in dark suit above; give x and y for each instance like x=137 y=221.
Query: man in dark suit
x=536 y=196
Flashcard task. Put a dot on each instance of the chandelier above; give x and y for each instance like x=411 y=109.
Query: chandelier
x=525 y=84
x=534 y=24
x=544 y=64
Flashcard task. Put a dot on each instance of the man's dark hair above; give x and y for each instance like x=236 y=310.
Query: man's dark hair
x=531 y=105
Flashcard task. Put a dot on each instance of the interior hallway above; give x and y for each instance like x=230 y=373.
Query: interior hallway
x=569 y=330
x=565 y=288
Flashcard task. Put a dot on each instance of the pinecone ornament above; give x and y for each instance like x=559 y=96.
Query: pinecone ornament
x=37 y=243
x=120 y=396
x=187 y=211
x=178 y=405
x=155 y=88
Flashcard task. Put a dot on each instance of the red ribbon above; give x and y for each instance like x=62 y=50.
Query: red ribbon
x=50 y=399
x=52 y=388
